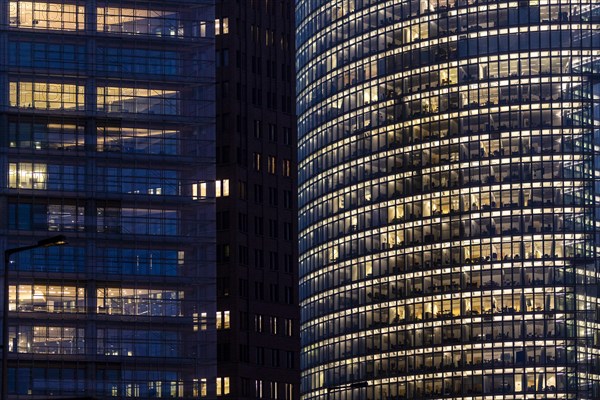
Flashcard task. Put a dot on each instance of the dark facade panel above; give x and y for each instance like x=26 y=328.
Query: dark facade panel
x=258 y=340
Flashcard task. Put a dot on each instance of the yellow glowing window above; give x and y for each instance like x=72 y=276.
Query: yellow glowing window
x=200 y=321
x=200 y=387
x=47 y=96
x=148 y=302
x=43 y=298
x=222 y=188
x=222 y=386
x=138 y=21
x=222 y=26
x=199 y=190
x=27 y=176
x=203 y=321
x=137 y=100
x=223 y=320
x=226 y=320
x=42 y=15
x=272 y=164
x=203 y=387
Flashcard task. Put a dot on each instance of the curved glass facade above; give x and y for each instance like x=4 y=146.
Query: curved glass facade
x=447 y=200
x=107 y=120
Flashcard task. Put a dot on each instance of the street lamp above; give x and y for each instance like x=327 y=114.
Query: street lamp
x=339 y=388
x=59 y=240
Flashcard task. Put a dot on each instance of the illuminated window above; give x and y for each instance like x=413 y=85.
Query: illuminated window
x=148 y=302
x=258 y=384
x=256 y=161
x=195 y=321
x=289 y=391
x=223 y=320
x=222 y=26
x=258 y=322
x=200 y=387
x=137 y=100
x=273 y=325
x=43 y=298
x=45 y=15
x=201 y=322
x=222 y=188
x=47 y=96
x=133 y=390
x=27 y=176
x=223 y=386
x=289 y=327
x=139 y=21
x=274 y=390
x=287 y=167
x=199 y=190
x=271 y=164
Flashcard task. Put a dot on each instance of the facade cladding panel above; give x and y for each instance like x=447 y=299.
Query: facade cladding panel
x=447 y=201
x=107 y=114
x=257 y=274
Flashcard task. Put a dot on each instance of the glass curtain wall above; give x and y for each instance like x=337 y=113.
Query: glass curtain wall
x=107 y=114
x=447 y=198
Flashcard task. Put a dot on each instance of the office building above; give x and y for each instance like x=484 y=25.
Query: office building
x=258 y=314
x=107 y=113
x=447 y=198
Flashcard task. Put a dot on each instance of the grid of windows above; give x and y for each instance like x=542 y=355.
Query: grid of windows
x=446 y=194
x=108 y=113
